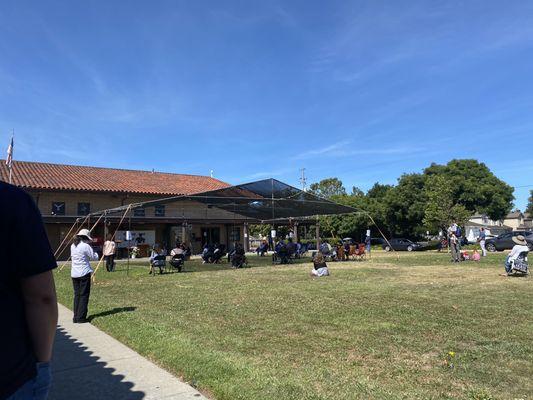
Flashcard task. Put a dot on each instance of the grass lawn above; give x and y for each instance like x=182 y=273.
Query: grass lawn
x=378 y=329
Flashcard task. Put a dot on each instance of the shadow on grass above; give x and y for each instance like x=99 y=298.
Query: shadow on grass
x=116 y=310
x=78 y=374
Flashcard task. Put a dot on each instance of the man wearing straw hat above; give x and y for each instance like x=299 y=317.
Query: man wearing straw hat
x=28 y=302
x=520 y=247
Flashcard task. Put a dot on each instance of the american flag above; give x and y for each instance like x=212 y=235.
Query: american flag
x=9 y=159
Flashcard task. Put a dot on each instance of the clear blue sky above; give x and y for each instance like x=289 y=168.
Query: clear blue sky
x=361 y=90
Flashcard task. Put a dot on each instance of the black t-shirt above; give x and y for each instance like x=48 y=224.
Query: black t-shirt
x=24 y=251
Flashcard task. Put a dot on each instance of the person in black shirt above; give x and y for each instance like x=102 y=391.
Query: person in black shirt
x=28 y=304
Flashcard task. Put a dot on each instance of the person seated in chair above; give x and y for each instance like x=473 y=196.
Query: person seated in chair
x=237 y=256
x=177 y=255
x=320 y=268
x=518 y=249
x=262 y=249
x=177 y=250
x=218 y=253
x=157 y=260
x=207 y=253
x=291 y=248
x=282 y=253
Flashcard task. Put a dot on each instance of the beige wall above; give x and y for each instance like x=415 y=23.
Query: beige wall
x=183 y=209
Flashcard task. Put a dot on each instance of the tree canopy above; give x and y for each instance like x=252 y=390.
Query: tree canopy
x=420 y=201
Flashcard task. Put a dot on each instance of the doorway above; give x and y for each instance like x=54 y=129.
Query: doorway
x=210 y=236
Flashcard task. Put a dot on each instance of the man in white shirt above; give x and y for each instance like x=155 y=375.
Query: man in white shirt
x=519 y=248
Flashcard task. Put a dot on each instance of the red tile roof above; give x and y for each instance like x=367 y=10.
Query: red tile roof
x=45 y=176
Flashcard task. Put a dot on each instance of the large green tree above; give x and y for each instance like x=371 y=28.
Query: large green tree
x=441 y=209
x=405 y=205
x=328 y=188
x=476 y=187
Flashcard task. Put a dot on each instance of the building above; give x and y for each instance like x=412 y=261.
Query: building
x=66 y=193
x=515 y=220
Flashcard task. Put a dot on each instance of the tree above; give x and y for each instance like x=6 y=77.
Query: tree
x=529 y=208
x=475 y=187
x=441 y=210
x=328 y=188
x=405 y=205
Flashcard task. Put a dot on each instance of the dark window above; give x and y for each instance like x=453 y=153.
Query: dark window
x=235 y=234
x=159 y=211
x=84 y=208
x=139 y=212
x=58 y=208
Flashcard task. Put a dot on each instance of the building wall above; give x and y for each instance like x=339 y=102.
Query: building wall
x=197 y=214
x=100 y=201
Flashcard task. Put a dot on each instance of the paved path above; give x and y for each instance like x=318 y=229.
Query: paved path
x=89 y=364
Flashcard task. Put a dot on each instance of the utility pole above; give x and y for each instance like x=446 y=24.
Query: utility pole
x=303 y=179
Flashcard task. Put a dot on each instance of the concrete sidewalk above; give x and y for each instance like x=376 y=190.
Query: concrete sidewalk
x=89 y=364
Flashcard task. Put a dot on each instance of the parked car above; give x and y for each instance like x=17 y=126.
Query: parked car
x=400 y=244
x=505 y=241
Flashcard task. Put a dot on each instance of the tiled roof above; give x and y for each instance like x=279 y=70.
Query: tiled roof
x=45 y=176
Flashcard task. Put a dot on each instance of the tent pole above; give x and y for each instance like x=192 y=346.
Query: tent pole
x=246 y=238
x=317 y=233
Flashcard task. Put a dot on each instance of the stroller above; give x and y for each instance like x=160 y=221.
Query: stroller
x=177 y=261
x=158 y=261
x=520 y=266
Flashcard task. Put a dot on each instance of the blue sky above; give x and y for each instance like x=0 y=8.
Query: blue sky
x=361 y=90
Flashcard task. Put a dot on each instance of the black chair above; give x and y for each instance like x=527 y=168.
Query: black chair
x=177 y=261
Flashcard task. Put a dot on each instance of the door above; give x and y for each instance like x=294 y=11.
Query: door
x=210 y=236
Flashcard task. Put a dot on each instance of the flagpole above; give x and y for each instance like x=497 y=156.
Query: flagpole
x=10 y=156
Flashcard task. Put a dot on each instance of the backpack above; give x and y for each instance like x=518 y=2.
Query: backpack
x=458 y=232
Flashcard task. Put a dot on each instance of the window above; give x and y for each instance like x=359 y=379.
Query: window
x=235 y=234
x=159 y=211
x=58 y=208
x=139 y=212
x=84 y=208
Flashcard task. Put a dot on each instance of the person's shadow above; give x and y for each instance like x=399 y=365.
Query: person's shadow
x=77 y=374
x=115 y=310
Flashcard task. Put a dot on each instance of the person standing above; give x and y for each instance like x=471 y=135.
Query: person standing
x=28 y=303
x=456 y=256
x=81 y=254
x=482 y=237
x=109 y=253
x=368 y=242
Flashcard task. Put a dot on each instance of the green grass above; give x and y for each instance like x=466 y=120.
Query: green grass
x=378 y=329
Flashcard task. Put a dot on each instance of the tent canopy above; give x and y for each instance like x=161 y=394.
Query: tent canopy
x=263 y=201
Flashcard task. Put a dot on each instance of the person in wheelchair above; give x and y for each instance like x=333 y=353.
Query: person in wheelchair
x=516 y=261
x=237 y=256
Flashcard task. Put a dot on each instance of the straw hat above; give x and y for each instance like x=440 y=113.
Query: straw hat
x=519 y=239
x=87 y=234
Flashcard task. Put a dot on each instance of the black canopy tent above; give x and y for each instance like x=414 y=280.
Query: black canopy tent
x=263 y=201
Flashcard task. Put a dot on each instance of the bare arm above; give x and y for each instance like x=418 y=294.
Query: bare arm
x=40 y=300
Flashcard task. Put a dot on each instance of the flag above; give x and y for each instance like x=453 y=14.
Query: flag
x=9 y=159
